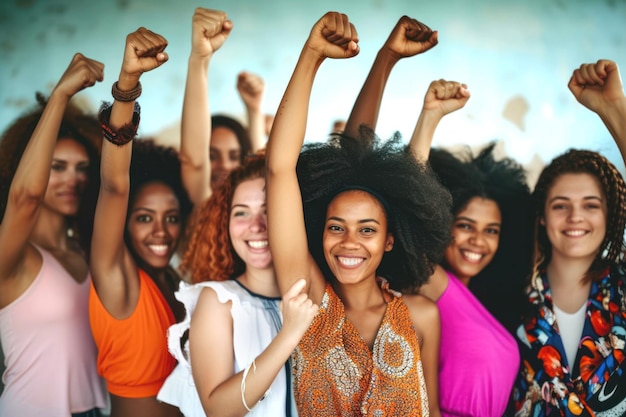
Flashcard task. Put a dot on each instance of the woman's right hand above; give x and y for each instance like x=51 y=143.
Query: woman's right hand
x=144 y=51
x=81 y=73
x=298 y=310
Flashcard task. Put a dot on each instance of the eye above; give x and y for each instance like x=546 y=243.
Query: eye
x=235 y=156
x=143 y=218
x=463 y=226
x=57 y=167
x=592 y=206
x=83 y=169
x=492 y=231
x=240 y=213
x=214 y=156
x=559 y=206
x=368 y=230
x=173 y=219
x=335 y=228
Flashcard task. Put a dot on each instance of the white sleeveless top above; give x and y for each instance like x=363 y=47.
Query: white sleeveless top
x=256 y=321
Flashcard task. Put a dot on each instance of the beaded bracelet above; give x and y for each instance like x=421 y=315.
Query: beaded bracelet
x=124 y=134
x=126 y=96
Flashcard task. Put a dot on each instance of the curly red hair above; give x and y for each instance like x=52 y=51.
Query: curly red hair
x=210 y=255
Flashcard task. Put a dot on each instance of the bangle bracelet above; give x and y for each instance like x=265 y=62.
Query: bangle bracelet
x=126 y=96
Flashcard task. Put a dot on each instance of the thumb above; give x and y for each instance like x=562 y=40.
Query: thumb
x=295 y=289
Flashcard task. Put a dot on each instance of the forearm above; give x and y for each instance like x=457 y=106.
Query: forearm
x=196 y=131
x=367 y=105
x=615 y=121
x=226 y=399
x=256 y=127
x=422 y=138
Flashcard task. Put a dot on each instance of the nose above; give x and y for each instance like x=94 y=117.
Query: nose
x=575 y=215
x=159 y=229
x=229 y=164
x=477 y=239
x=350 y=241
x=259 y=223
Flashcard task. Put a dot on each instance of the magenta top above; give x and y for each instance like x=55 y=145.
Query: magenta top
x=478 y=359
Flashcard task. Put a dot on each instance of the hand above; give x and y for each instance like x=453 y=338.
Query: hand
x=298 y=309
x=444 y=97
x=596 y=86
x=145 y=51
x=410 y=37
x=81 y=73
x=333 y=36
x=251 y=88
x=209 y=31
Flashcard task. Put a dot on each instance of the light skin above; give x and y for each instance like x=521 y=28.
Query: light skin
x=27 y=218
x=211 y=330
x=114 y=270
x=224 y=154
x=333 y=36
x=251 y=88
x=598 y=87
x=210 y=29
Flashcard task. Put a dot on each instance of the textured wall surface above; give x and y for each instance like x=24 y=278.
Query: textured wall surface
x=516 y=58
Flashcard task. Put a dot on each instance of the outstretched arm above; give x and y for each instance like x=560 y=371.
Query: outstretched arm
x=251 y=88
x=599 y=87
x=332 y=36
x=442 y=97
x=409 y=37
x=113 y=271
x=30 y=181
x=212 y=359
x=210 y=28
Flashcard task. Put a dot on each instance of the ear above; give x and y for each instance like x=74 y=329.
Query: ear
x=389 y=242
x=542 y=221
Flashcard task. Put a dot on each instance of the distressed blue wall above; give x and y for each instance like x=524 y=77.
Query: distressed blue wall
x=515 y=56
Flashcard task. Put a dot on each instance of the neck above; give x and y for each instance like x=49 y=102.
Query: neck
x=359 y=296
x=260 y=281
x=50 y=231
x=567 y=284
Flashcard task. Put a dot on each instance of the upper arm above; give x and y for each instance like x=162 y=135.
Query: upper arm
x=17 y=225
x=426 y=321
x=211 y=344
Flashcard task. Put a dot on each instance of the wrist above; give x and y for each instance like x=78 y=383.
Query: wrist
x=126 y=81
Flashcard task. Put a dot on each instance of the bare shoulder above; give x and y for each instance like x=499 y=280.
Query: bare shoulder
x=424 y=314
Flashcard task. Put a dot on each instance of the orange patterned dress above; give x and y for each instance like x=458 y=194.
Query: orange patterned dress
x=336 y=374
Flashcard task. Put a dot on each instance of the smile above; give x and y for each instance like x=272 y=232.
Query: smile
x=159 y=250
x=472 y=256
x=575 y=233
x=257 y=244
x=350 y=261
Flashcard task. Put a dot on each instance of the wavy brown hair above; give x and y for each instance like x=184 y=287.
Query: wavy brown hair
x=614 y=189
x=210 y=255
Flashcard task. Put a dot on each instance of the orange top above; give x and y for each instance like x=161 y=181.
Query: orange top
x=336 y=374
x=132 y=353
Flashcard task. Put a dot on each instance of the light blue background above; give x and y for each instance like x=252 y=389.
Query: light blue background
x=504 y=51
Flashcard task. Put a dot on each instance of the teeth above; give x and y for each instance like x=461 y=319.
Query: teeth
x=575 y=233
x=160 y=250
x=258 y=244
x=350 y=261
x=472 y=256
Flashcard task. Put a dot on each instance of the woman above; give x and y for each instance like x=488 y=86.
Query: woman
x=368 y=350
x=140 y=213
x=226 y=139
x=572 y=342
x=233 y=310
x=48 y=159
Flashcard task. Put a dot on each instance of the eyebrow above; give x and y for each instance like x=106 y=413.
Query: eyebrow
x=468 y=219
x=177 y=210
x=589 y=197
x=339 y=219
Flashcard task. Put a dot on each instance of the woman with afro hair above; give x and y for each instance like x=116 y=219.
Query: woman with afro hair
x=358 y=221
x=141 y=211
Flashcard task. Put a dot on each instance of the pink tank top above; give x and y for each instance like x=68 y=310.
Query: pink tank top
x=478 y=359
x=50 y=354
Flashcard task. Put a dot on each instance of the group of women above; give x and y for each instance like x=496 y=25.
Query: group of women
x=347 y=277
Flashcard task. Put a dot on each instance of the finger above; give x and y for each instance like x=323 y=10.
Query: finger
x=295 y=289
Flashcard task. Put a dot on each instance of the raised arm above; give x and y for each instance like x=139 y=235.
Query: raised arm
x=598 y=87
x=113 y=270
x=442 y=97
x=210 y=28
x=409 y=37
x=332 y=36
x=251 y=88
x=30 y=181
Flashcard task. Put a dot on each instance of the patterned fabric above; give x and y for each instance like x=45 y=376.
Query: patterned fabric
x=336 y=374
x=595 y=385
